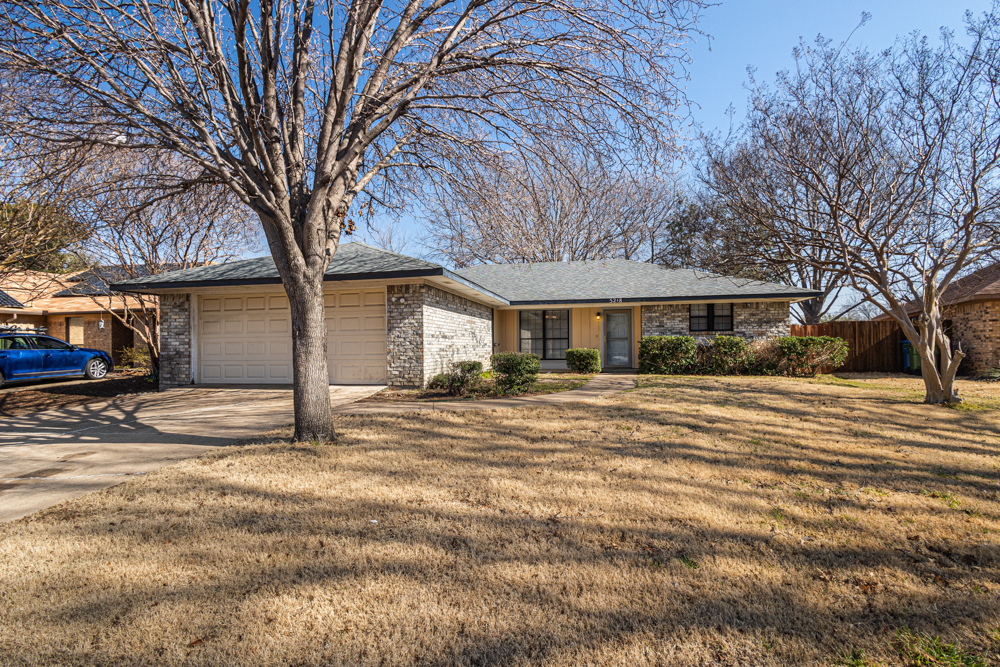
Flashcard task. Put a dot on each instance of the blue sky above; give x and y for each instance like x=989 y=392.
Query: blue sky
x=762 y=34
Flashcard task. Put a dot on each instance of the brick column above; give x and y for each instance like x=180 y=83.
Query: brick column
x=175 y=340
x=404 y=310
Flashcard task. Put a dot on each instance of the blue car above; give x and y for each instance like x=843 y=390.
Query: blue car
x=28 y=356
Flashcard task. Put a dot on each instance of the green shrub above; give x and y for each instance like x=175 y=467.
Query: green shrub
x=514 y=372
x=803 y=355
x=464 y=377
x=666 y=355
x=729 y=355
x=732 y=355
x=136 y=356
x=583 y=360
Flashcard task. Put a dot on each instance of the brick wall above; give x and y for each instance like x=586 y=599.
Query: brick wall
x=175 y=340
x=762 y=319
x=93 y=335
x=427 y=329
x=455 y=329
x=404 y=310
x=977 y=326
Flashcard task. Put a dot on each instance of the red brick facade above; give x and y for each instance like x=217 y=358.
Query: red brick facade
x=976 y=324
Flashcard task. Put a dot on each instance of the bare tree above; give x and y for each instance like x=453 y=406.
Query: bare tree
x=881 y=168
x=706 y=234
x=142 y=224
x=36 y=189
x=301 y=106
x=541 y=206
x=388 y=233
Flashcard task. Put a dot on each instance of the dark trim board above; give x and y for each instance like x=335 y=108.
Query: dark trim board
x=674 y=299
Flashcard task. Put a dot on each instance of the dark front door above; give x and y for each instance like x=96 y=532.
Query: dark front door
x=618 y=338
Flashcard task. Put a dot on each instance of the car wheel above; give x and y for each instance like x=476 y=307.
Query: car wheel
x=95 y=369
x=1 y=378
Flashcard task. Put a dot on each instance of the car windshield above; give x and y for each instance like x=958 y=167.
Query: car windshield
x=14 y=343
x=49 y=344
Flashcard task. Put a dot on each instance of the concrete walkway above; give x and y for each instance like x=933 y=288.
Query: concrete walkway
x=599 y=385
x=49 y=457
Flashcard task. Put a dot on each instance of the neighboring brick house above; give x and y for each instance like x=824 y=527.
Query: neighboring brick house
x=398 y=320
x=35 y=299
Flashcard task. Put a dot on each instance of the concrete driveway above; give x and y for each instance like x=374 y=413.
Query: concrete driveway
x=49 y=457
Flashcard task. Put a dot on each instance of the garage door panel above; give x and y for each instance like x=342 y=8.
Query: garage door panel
x=248 y=338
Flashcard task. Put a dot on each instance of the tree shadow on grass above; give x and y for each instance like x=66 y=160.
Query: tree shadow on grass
x=623 y=530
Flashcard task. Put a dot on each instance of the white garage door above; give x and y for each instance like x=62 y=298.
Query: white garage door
x=247 y=339
x=355 y=330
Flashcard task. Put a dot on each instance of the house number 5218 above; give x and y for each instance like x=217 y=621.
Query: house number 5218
x=615 y=300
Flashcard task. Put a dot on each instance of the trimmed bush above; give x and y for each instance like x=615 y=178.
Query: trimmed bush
x=729 y=355
x=583 y=360
x=732 y=355
x=464 y=377
x=514 y=372
x=667 y=355
x=803 y=355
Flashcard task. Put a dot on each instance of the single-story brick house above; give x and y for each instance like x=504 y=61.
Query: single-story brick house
x=400 y=320
x=55 y=302
x=971 y=316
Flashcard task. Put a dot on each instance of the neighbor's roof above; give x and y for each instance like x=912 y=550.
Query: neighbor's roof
x=7 y=301
x=352 y=261
x=39 y=293
x=978 y=285
x=614 y=279
x=94 y=281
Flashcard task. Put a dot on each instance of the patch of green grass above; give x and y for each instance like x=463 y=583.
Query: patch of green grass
x=688 y=562
x=922 y=650
x=855 y=657
x=950 y=498
x=973 y=406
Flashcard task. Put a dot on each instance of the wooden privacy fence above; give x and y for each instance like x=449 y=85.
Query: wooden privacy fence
x=875 y=346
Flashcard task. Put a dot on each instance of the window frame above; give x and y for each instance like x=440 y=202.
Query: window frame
x=710 y=319
x=545 y=331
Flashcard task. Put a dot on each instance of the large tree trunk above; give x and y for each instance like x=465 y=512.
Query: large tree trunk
x=939 y=377
x=311 y=391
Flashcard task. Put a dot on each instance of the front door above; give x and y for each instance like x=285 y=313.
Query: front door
x=618 y=338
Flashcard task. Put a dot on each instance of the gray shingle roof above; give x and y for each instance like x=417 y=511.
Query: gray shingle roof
x=612 y=279
x=520 y=284
x=7 y=301
x=351 y=261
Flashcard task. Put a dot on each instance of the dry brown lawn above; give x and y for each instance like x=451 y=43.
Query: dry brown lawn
x=693 y=521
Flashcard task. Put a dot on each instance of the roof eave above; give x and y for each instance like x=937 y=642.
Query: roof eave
x=793 y=298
